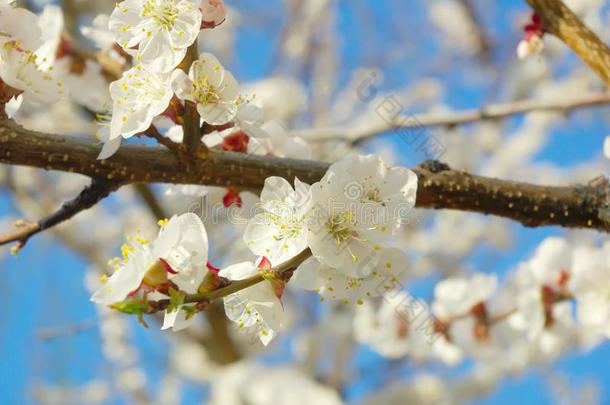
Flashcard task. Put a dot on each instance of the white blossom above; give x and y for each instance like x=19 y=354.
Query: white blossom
x=98 y=32
x=532 y=45
x=272 y=139
x=358 y=204
x=21 y=67
x=110 y=146
x=590 y=285
x=279 y=232
x=538 y=282
x=211 y=87
x=138 y=97
x=456 y=296
x=404 y=325
x=159 y=30
x=253 y=383
x=387 y=272
x=257 y=309
x=179 y=254
x=51 y=23
x=20 y=26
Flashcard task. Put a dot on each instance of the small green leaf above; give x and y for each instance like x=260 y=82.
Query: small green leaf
x=131 y=306
x=141 y=321
x=176 y=299
x=15 y=251
x=190 y=311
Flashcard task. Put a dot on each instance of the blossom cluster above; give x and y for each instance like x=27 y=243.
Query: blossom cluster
x=26 y=56
x=556 y=299
x=345 y=221
x=143 y=45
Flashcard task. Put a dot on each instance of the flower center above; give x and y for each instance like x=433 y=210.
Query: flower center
x=373 y=195
x=25 y=61
x=162 y=12
x=339 y=226
x=140 y=88
x=291 y=229
x=288 y=222
x=205 y=93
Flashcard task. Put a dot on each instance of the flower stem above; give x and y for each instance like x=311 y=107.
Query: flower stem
x=238 y=285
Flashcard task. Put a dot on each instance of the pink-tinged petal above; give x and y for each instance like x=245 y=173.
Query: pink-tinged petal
x=264 y=264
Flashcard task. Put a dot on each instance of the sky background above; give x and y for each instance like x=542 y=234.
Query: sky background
x=44 y=288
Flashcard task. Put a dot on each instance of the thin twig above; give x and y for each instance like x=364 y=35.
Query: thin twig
x=420 y=121
x=92 y=194
x=68 y=330
x=237 y=285
x=153 y=132
x=151 y=200
x=483 y=42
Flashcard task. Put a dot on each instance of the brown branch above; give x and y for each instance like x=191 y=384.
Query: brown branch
x=492 y=111
x=151 y=201
x=225 y=350
x=560 y=21
x=153 y=132
x=67 y=330
x=92 y=194
x=484 y=44
x=190 y=118
x=578 y=206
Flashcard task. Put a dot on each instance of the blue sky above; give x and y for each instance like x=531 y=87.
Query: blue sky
x=44 y=286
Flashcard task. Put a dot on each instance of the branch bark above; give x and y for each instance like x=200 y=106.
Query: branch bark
x=577 y=206
x=192 y=135
x=91 y=195
x=560 y=21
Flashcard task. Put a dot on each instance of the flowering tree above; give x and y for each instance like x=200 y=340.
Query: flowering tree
x=279 y=215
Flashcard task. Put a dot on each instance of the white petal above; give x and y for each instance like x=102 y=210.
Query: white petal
x=109 y=148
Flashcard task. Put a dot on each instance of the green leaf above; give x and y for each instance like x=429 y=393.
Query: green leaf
x=141 y=321
x=176 y=299
x=190 y=311
x=131 y=306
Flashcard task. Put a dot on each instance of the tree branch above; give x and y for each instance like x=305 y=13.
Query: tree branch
x=151 y=201
x=153 y=132
x=560 y=21
x=93 y=193
x=578 y=206
x=492 y=111
x=484 y=44
x=192 y=135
